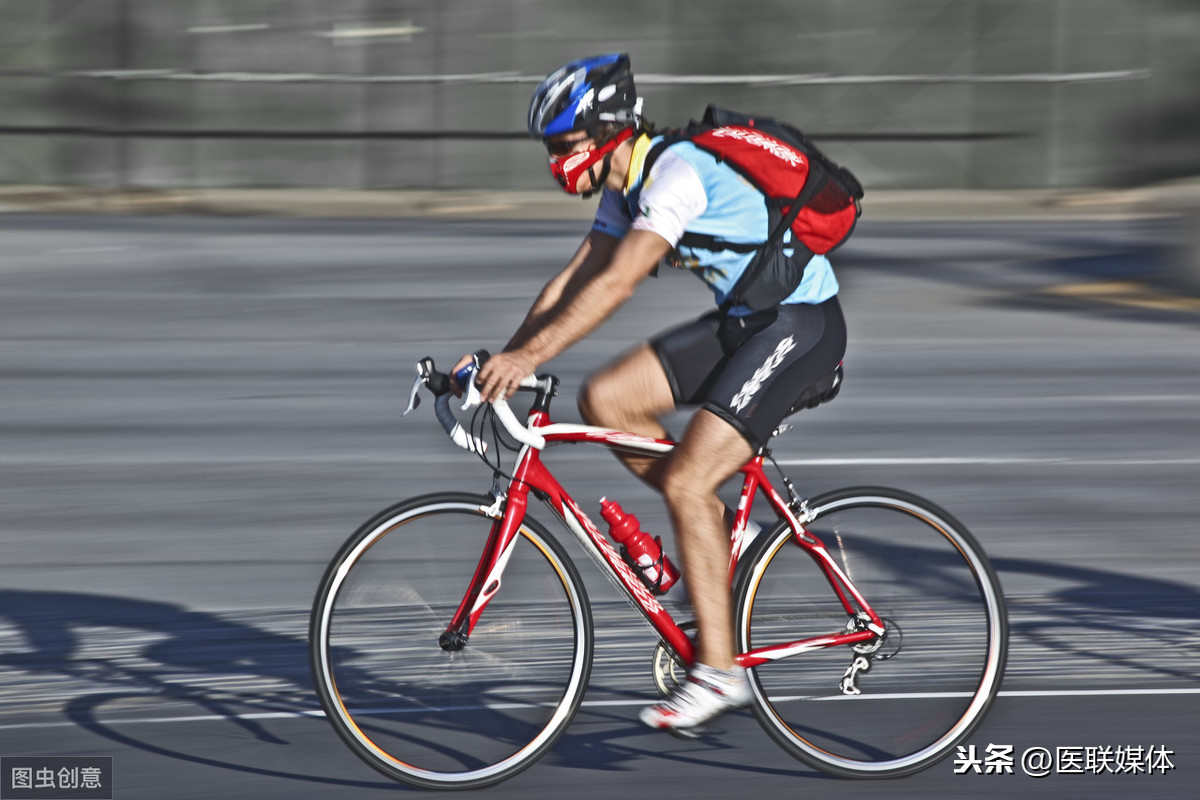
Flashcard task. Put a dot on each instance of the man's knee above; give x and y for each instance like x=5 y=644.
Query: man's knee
x=683 y=483
x=596 y=400
x=626 y=394
x=711 y=452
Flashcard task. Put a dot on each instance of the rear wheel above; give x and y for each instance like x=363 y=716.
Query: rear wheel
x=448 y=718
x=922 y=688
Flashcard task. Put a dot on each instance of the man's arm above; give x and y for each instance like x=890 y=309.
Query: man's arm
x=593 y=255
x=572 y=305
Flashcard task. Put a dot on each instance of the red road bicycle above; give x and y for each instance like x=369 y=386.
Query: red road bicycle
x=871 y=622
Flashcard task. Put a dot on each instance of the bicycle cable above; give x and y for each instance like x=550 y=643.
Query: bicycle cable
x=483 y=419
x=796 y=499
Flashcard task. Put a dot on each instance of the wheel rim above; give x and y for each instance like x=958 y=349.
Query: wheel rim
x=430 y=716
x=916 y=568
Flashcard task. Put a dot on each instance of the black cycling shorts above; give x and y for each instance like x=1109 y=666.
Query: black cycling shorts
x=749 y=371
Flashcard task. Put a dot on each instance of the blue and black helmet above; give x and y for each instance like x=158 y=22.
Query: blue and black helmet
x=584 y=94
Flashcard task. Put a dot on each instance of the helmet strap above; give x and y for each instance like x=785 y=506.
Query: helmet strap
x=598 y=182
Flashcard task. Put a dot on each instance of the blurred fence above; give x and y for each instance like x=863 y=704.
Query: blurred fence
x=432 y=93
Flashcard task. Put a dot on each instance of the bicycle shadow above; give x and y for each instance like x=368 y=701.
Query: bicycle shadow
x=104 y=650
x=618 y=749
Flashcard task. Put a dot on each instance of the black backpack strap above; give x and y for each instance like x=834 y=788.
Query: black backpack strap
x=704 y=241
x=814 y=184
x=816 y=181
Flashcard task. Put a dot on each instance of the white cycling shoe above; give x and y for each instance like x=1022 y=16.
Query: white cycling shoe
x=705 y=694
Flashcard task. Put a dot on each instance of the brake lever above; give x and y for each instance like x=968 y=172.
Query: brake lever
x=467 y=375
x=473 y=398
x=425 y=370
x=439 y=384
x=414 y=397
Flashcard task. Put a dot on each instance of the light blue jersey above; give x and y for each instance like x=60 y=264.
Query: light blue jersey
x=731 y=209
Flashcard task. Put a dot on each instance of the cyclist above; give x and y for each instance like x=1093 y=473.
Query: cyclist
x=744 y=368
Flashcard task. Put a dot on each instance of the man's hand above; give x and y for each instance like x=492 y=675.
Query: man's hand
x=502 y=374
x=462 y=362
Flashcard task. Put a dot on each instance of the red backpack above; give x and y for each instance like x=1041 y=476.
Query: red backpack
x=804 y=191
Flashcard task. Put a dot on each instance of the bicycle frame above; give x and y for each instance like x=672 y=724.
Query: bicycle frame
x=531 y=474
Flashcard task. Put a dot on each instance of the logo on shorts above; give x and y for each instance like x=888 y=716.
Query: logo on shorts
x=751 y=387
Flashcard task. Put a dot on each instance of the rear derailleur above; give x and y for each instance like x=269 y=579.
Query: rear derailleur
x=881 y=648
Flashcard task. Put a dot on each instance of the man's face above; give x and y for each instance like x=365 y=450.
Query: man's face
x=563 y=147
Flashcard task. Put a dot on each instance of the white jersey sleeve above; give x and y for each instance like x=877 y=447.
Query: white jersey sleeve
x=671 y=199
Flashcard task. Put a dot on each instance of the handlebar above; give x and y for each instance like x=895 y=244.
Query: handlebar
x=441 y=385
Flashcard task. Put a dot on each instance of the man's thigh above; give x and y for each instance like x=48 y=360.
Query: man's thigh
x=632 y=387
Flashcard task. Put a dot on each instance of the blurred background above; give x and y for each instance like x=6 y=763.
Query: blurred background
x=200 y=393
x=407 y=94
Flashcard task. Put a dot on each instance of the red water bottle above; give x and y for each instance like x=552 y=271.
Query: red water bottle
x=643 y=552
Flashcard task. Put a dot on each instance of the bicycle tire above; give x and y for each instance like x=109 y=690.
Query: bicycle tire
x=933 y=678
x=434 y=718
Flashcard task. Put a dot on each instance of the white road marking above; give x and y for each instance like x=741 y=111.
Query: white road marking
x=268 y=715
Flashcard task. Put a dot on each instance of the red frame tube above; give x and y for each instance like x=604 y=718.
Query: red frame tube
x=531 y=473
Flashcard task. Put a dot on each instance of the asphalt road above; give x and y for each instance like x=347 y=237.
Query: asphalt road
x=194 y=413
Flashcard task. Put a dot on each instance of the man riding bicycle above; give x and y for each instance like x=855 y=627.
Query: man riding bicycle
x=744 y=367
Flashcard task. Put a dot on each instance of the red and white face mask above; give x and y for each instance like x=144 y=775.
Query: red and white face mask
x=568 y=169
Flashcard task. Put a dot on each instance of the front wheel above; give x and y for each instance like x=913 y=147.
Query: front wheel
x=448 y=718
x=931 y=679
